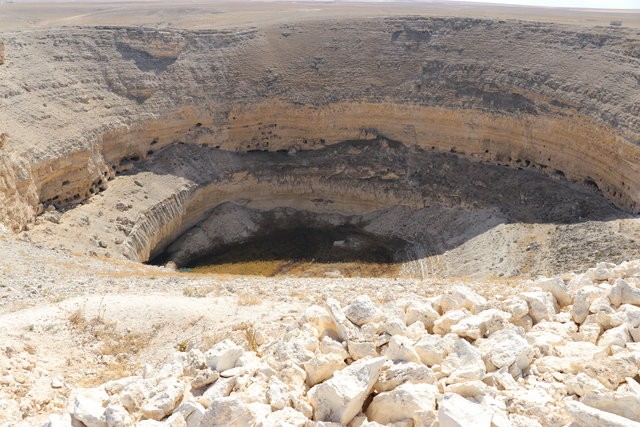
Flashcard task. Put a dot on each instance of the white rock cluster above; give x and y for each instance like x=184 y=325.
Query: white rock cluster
x=565 y=352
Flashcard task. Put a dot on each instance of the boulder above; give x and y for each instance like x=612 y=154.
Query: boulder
x=286 y=417
x=464 y=363
x=399 y=373
x=431 y=349
x=624 y=293
x=223 y=355
x=584 y=415
x=506 y=348
x=481 y=324
x=340 y=398
x=401 y=349
x=192 y=412
x=473 y=388
x=444 y=323
x=345 y=329
x=582 y=300
x=362 y=310
x=322 y=367
x=163 y=400
x=229 y=411
x=456 y=411
x=616 y=336
x=542 y=305
x=416 y=402
x=557 y=288
x=459 y=297
x=420 y=311
x=623 y=403
x=89 y=411
x=117 y=416
x=320 y=318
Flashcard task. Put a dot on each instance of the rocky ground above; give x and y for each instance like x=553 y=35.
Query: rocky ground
x=106 y=343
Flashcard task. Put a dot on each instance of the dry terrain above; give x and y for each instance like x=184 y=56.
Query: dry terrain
x=298 y=213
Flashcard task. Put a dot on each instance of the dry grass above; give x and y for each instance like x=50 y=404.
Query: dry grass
x=248 y=268
x=118 y=346
x=250 y=334
x=300 y=269
x=197 y=291
x=248 y=298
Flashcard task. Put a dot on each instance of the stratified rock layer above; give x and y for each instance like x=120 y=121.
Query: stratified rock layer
x=552 y=98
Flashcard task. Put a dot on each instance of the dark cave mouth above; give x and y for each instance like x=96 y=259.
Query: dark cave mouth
x=304 y=250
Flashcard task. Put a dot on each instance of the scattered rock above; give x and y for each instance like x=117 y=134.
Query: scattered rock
x=340 y=398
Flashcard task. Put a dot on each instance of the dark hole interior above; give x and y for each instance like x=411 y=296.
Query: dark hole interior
x=321 y=245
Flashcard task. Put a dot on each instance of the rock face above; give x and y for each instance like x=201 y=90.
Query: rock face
x=246 y=95
x=532 y=374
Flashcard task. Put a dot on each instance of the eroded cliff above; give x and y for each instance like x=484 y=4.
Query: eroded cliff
x=554 y=100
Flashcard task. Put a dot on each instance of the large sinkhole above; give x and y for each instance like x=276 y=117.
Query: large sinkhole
x=380 y=208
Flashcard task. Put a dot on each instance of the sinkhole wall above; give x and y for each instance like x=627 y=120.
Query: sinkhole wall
x=80 y=105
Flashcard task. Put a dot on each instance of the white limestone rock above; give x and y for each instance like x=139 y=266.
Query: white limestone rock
x=362 y=349
x=582 y=300
x=613 y=370
x=322 y=367
x=582 y=384
x=362 y=310
x=278 y=393
x=204 y=377
x=285 y=417
x=481 y=324
x=416 y=402
x=459 y=297
x=506 y=348
x=345 y=329
x=163 y=400
x=622 y=292
x=616 y=336
x=456 y=411
x=401 y=349
x=89 y=411
x=463 y=363
x=444 y=323
x=59 y=420
x=340 y=398
x=432 y=349
x=395 y=374
x=229 y=411
x=223 y=355
x=117 y=416
x=584 y=415
x=619 y=402
x=420 y=311
x=602 y=271
x=320 y=318
x=328 y=345
x=135 y=394
x=542 y=305
x=516 y=307
x=221 y=388
x=557 y=288
x=192 y=412
x=471 y=389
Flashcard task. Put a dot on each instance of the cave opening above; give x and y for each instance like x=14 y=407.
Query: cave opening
x=304 y=250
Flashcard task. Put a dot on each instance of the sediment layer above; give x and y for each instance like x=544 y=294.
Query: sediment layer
x=552 y=98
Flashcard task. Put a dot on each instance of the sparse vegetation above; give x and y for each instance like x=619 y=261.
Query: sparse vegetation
x=248 y=298
x=117 y=345
x=197 y=291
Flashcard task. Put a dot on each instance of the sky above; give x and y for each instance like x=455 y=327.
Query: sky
x=599 y=4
